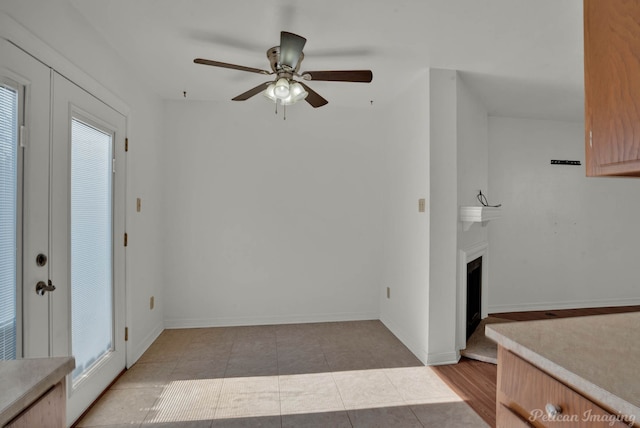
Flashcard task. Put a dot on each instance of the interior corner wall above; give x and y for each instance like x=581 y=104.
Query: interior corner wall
x=73 y=41
x=443 y=205
x=270 y=220
x=564 y=240
x=406 y=231
x=473 y=160
x=473 y=175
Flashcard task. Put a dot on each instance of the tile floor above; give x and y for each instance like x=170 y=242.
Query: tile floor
x=343 y=374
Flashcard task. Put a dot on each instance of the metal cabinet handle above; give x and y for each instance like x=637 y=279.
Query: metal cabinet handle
x=41 y=287
x=552 y=410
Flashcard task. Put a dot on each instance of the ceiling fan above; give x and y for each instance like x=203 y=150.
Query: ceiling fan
x=285 y=63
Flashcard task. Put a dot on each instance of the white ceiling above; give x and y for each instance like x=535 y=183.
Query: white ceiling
x=522 y=57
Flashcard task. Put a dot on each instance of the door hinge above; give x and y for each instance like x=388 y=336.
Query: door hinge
x=590 y=138
x=126 y=334
x=126 y=239
x=22 y=136
x=113 y=165
x=126 y=144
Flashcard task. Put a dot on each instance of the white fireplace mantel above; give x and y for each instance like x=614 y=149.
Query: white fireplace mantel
x=470 y=215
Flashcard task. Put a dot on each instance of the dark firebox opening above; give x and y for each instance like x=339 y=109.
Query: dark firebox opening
x=474 y=294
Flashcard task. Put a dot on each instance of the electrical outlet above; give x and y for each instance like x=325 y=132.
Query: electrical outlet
x=422 y=203
x=151 y=303
x=138 y=204
x=388 y=292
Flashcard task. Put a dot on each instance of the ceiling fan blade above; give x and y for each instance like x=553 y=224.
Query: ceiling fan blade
x=313 y=98
x=232 y=66
x=251 y=92
x=364 y=76
x=290 y=48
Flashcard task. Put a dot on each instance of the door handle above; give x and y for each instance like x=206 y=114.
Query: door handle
x=41 y=287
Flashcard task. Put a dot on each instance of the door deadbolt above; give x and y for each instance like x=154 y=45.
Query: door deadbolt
x=41 y=287
x=41 y=260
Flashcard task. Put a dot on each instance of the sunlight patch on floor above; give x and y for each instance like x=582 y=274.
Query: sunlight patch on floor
x=241 y=397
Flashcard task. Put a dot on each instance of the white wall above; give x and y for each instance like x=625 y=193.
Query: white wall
x=82 y=55
x=473 y=160
x=406 y=231
x=271 y=220
x=564 y=240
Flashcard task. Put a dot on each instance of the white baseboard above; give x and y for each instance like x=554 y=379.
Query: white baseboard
x=575 y=304
x=406 y=339
x=443 y=358
x=172 y=323
x=135 y=352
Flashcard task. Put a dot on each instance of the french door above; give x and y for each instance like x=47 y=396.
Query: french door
x=86 y=240
x=69 y=227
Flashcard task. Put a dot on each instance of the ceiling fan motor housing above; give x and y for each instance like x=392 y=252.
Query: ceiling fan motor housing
x=282 y=70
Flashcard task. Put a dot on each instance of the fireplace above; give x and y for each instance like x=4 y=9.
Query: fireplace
x=474 y=294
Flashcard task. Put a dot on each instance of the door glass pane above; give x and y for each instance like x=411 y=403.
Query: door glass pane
x=91 y=245
x=8 y=220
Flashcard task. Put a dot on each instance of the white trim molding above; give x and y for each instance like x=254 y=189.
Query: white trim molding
x=173 y=323
x=407 y=340
x=138 y=348
x=465 y=256
x=571 y=304
x=443 y=358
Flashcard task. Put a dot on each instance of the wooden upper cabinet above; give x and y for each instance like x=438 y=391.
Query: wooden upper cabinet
x=612 y=87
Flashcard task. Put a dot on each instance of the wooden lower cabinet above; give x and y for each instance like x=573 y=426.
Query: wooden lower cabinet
x=527 y=397
x=49 y=411
x=510 y=418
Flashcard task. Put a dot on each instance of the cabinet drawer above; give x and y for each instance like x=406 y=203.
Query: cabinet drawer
x=527 y=390
x=509 y=418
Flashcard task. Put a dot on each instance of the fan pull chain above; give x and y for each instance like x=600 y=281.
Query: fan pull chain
x=284 y=110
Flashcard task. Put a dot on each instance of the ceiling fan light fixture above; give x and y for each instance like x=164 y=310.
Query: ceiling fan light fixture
x=297 y=92
x=281 y=89
x=270 y=92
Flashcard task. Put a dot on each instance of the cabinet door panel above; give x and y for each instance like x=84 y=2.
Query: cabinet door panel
x=612 y=87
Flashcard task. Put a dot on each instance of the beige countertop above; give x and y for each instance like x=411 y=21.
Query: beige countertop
x=596 y=355
x=24 y=381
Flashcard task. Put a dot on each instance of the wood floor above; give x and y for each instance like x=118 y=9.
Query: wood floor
x=475 y=381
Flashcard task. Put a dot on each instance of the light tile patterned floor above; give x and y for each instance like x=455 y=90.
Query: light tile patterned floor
x=344 y=374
